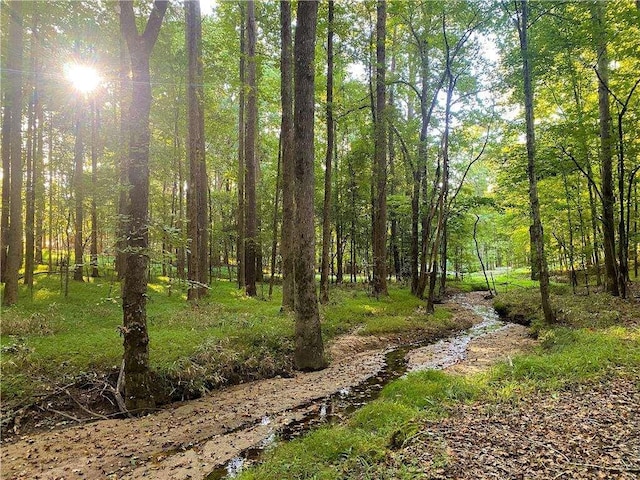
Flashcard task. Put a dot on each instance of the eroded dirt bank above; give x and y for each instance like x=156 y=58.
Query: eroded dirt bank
x=188 y=440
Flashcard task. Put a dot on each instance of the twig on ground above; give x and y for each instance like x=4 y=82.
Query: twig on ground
x=93 y=414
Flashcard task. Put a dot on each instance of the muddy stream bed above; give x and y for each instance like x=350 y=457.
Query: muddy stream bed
x=215 y=437
x=397 y=362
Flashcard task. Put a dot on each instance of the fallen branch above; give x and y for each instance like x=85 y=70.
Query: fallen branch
x=93 y=414
x=604 y=467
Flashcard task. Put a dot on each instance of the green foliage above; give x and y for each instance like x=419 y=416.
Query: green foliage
x=228 y=337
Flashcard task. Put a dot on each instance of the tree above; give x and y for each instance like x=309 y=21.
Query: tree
x=95 y=128
x=197 y=200
x=309 y=350
x=137 y=382
x=240 y=245
x=288 y=159
x=606 y=154
x=250 y=154
x=537 y=236
x=13 y=109
x=326 y=211
x=380 y=162
x=78 y=187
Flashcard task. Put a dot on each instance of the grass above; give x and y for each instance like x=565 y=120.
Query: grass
x=582 y=350
x=49 y=339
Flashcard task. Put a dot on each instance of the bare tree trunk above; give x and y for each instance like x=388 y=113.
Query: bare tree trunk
x=288 y=159
x=241 y=261
x=6 y=146
x=123 y=182
x=573 y=277
x=326 y=211
x=13 y=107
x=380 y=163
x=309 y=350
x=95 y=147
x=78 y=191
x=137 y=380
x=538 y=244
x=29 y=224
x=274 y=225
x=250 y=154
x=606 y=155
x=475 y=241
x=197 y=194
x=392 y=185
x=39 y=178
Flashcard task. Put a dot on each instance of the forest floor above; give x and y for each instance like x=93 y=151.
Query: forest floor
x=547 y=415
x=191 y=439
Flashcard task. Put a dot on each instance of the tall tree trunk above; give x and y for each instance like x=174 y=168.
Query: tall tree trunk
x=538 y=244
x=274 y=224
x=288 y=158
x=309 y=350
x=78 y=191
x=13 y=107
x=250 y=154
x=38 y=171
x=29 y=224
x=392 y=184
x=606 y=155
x=137 y=380
x=123 y=182
x=50 y=194
x=573 y=278
x=326 y=211
x=6 y=147
x=240 y=250
x=380 y=165
x=197 y=199
x=95 y=148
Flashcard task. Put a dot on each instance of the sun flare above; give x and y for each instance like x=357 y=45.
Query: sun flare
x=83 y=78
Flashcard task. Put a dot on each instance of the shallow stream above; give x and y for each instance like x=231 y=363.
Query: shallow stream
x=338 y=406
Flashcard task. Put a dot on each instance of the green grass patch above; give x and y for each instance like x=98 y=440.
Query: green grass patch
x=585 y=352
x=50 y=338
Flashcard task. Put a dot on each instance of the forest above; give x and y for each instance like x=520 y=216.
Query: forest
x=320 y=239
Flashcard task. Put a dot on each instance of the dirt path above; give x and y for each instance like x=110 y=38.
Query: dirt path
x=189 y=440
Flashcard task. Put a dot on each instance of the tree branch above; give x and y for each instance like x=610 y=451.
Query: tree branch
x=587 y=176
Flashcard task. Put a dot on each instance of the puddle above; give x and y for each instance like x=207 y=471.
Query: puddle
x=347 y=400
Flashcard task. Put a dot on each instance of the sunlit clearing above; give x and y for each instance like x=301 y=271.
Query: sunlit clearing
x=84 y=79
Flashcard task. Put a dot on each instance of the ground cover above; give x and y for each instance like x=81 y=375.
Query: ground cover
x=52 y=343
x=570 y=408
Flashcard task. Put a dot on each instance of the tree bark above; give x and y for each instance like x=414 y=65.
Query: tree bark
x=78 y=190
x=538 y=238
x=95 y=148
x=32 y=128
x=326 y=211
x=197 y=200
x=123 y=187
x=6 y=149
x=606 y=154
x=288 y=158
x=137 y=383
x=241 y=163
x=380 y=164
x=309 y=350
x=250 y=155
x=13 y=108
